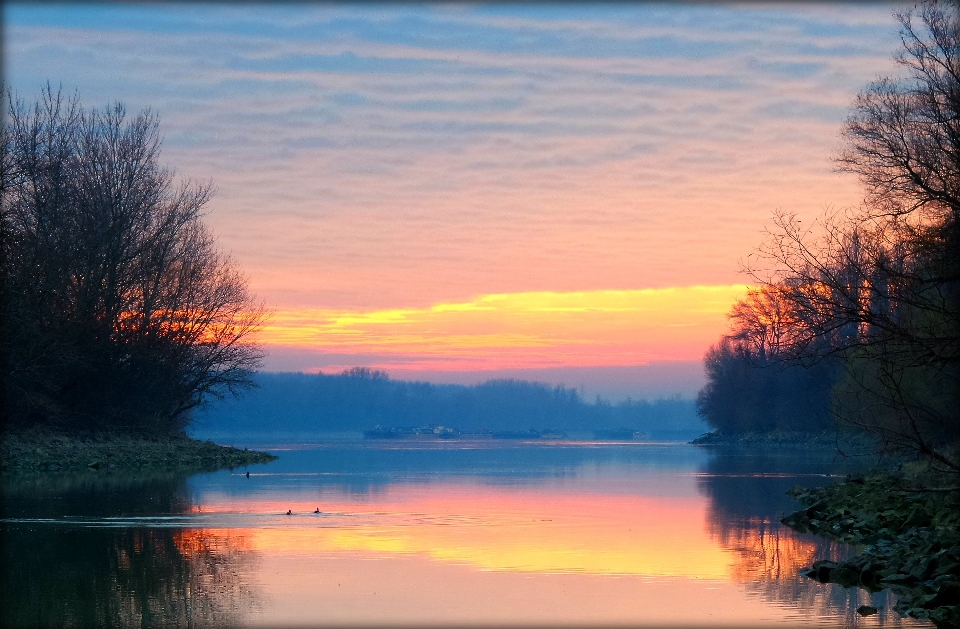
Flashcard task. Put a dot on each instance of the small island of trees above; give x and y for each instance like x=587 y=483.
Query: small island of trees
x=119 y=313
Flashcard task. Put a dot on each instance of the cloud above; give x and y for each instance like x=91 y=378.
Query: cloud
x=518 y=330
x=372 y=157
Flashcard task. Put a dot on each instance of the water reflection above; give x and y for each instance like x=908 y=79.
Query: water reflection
x=365 y=467
x=515 y=530
x=460 y=533
x=747 y=498
x=61 y=574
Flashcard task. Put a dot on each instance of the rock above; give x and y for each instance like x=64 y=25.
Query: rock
x=917 y=517
x=926 y=568
x=866 y=610
x=948 y=594
x=822 y=570
x=945 y=617
x=900 y=579
x=845 y=575
x=916 y=612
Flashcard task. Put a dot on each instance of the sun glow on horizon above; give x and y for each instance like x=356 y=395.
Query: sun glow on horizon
x=520 y=330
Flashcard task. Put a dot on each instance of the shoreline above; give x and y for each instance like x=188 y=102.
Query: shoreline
x=908 y=526
x=41 y=451
x=848 y=442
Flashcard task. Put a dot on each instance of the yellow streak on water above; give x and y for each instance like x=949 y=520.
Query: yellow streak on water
x=517 y=532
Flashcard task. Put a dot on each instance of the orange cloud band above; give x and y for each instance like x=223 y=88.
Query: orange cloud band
x=521 y=330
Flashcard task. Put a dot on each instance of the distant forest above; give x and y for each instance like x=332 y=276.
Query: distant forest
x=297 y=404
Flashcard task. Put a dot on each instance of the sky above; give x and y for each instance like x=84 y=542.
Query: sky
x=451 y=192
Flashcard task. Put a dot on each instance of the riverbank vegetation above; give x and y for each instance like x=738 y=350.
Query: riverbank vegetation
x=860 y=312
x=36 y=450
x=855 y=320
x=846 y=442
x=119 y=314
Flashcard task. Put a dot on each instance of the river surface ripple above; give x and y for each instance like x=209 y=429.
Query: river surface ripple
x=364 y=532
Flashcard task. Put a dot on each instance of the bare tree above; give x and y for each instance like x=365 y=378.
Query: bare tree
x=761 y=321
x=120 y=310
x=861 y=294
x=879 y=286
x=903 y=134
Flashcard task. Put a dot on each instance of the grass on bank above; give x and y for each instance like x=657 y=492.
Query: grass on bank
x=841 y=441
x=47 y=451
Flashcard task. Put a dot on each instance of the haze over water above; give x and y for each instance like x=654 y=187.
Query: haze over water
x=434 y=533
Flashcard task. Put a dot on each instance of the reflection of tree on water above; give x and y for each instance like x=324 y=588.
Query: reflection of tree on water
x=747 y=498
x=70 y=575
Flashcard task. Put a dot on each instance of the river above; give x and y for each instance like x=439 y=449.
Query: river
x=419 y=533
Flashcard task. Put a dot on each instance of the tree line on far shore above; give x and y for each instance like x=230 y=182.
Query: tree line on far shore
x=855 y=320
x=360 y=399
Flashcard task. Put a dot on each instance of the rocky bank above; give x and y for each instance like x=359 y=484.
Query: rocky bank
x=908 y=525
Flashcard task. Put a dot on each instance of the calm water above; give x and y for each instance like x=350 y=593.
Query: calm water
x=421 y=533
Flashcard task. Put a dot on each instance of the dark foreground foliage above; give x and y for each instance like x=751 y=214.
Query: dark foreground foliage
x=909 y=526
x=749 y=391
x=870 y=298
x=861 y=308
x=45 y=451
x=117 y=310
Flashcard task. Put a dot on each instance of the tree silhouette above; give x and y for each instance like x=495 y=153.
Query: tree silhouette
x=878 y=287
x=118 y=309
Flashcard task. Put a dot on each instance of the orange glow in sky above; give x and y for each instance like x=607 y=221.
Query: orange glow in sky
x=422 y=184
x=521 y=330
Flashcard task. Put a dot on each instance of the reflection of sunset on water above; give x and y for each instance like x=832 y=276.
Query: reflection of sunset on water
x=551 y=553
x=221 y=543
x=765 y=550
x=594 y=535
x=507 y=530
x=768 y=557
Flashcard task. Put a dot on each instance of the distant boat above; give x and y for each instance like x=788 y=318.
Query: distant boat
x=553 y=434
x=424 y=432
x=381 y=433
